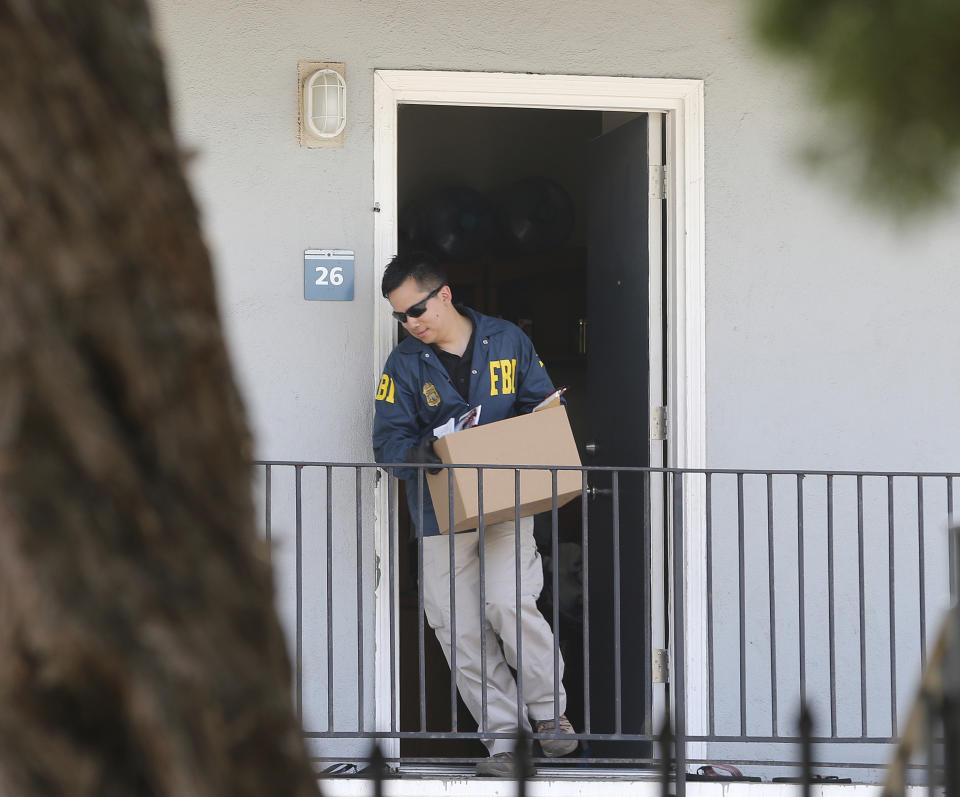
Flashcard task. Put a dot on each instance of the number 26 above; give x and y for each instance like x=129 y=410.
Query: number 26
x=335 y=275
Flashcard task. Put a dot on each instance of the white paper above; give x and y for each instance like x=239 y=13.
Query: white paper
x=468 y=420
x=447 y=428
x=551 y=400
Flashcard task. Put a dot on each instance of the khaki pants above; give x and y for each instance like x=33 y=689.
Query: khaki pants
x=536 y=649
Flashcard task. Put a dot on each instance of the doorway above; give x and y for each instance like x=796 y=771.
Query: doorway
x=542 y=217
x=681 y=101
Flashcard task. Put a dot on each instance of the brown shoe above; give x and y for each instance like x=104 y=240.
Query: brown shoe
x=555 y=747
x=501 y=765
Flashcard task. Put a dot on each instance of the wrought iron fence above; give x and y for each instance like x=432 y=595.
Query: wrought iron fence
x=769 y=589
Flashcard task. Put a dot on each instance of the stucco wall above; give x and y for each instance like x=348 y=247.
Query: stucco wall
x=831 y=335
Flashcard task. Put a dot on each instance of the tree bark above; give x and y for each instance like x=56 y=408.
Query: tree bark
x=139 y=650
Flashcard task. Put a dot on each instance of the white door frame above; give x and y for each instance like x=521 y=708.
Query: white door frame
x=682 y=102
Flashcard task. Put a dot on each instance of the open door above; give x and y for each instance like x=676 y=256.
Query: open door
x=476 y=159
x=600 y=282
x=618 y=436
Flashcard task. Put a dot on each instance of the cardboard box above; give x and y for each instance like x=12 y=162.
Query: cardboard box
x=538 y=438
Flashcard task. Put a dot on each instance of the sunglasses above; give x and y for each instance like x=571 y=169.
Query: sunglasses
x=418 y=309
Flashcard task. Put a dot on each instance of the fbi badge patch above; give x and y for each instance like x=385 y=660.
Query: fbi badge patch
x=431 y=395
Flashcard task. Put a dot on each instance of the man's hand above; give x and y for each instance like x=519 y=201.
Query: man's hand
x=424 y=454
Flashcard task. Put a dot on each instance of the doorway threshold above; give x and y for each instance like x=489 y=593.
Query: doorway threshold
x=568 y=783
x=544 y=773
x=540 y=787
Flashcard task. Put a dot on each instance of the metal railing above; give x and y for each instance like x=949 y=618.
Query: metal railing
x=771 y=590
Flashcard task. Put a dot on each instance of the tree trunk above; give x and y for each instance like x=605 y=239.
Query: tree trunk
x=139 y=650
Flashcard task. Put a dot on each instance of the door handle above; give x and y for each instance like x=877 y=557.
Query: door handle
x=591 y=449
x=595 y=492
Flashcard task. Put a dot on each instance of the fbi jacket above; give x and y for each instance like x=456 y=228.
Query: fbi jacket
x=415 y=395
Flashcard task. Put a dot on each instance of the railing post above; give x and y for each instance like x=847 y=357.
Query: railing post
x=268 y=519
x=329 y=581
x=378 y=767
x=394 y=608
x=360 y=592
x=951 y=689
x=954 y=555
x=805 y=725
x=665 y=738
x=523 y=763
x=679 y=655
x=298 y=470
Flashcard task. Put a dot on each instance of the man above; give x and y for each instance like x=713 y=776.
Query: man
x=456 y=358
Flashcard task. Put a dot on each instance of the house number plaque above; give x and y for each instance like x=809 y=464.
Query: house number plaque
x=328 y=275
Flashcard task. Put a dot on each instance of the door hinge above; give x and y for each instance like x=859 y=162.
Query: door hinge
x=661 y=666
x=658 y=423
x=658 y=181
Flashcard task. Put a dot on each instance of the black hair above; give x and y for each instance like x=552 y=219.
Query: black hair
x=422 y=266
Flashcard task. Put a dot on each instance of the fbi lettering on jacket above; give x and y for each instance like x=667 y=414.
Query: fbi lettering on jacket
x=503 y=377
x=386 y=390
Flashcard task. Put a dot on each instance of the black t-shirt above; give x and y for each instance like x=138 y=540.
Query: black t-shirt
x=458 y=368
